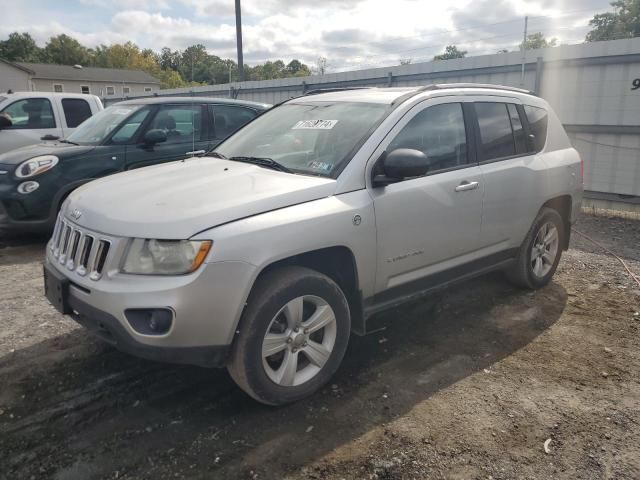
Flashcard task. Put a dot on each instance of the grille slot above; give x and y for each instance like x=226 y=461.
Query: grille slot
x=99 y=259
x=78 y=250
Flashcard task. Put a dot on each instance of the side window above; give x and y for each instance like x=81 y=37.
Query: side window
x=439 y=132
x=76 y=111
x=30 y=113
x=131 y=126
x=227 y=119
x=181 y=123
x=538 y=119
x=496 y=136
x=518 y=130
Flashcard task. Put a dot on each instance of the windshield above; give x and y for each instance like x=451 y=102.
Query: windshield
x=95 y=129
x=313 y=138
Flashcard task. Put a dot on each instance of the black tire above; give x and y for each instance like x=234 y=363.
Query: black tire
x=521 y=273
x=270 y=294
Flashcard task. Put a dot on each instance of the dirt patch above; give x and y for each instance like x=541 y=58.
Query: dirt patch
x=468 y=384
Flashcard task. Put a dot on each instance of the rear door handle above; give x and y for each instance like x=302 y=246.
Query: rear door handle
x=465 y=186
x=197 y=152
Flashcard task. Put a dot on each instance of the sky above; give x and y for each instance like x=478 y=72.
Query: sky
x=350 y=34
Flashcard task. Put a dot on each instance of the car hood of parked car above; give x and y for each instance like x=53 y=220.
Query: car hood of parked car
x=180 y=199
x=60 y=150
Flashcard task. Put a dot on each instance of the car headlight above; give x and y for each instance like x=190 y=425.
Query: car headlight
x=36 y=166
x=165 y=257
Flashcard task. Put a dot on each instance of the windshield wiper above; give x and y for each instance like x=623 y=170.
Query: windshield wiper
x=263 y=162
x=216 y=155
x=68 y=141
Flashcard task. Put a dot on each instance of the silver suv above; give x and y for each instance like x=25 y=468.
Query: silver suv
x=265 y=255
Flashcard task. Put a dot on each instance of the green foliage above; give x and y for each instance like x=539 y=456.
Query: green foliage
x=537 y=40
x=174 y=68
x=451 y=52
x=624 y=22
x=65 y=50
x=20 y=47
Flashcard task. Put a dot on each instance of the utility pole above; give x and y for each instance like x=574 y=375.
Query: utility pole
x=239 y=40
x=524 y=50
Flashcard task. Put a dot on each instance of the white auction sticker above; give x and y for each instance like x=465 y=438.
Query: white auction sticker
x=314 y=125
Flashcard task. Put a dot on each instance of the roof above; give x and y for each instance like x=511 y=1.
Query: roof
x=162 y=100
x=393 y=94
x=18 y=66
x=51 y=71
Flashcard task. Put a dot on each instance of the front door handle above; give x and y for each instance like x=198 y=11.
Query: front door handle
x=465 y=186
x=196 y=152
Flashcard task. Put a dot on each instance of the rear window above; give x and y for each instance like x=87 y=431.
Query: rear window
x=538 y=120
x=76 y=111
x=496 y=136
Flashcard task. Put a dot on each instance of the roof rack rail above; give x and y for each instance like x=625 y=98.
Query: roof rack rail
x=317 y=91
x=443 y=86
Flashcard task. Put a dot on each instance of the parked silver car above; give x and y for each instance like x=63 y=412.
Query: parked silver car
x=333 y=206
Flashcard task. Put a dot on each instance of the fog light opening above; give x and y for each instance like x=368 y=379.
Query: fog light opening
x=150 y=321
x=28 y=187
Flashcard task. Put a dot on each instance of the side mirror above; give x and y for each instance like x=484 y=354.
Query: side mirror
x=155 y=136
x=400 y=164
x=5 y=122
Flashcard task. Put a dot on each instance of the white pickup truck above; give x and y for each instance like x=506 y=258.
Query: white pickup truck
x=31 y=117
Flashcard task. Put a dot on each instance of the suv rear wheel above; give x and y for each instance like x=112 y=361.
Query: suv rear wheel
x=540 y=251
x=292 y=336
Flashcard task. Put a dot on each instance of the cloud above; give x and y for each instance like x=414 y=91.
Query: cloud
x=351 y=34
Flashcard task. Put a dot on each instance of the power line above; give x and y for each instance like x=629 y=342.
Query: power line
x=635 y=149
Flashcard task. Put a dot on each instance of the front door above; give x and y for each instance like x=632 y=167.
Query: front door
x=185 y=126
x=32 y=118
x=432 y=223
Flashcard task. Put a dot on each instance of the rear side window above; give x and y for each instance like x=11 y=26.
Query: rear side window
x=496 y=135
x=76 y=111
x=30 y=113
x=227 y=119
x=538 y=119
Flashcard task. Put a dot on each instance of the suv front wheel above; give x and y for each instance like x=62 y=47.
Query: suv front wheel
x=540 y=251
x=292 y=336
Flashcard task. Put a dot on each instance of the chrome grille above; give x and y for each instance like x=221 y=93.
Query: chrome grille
x=78 y=250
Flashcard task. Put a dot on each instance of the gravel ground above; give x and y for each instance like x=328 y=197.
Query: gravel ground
x=469 y=384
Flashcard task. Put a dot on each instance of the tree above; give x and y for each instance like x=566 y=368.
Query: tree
x=20 y=47
x=321 y=66
x=623 y=23
x=451 y=52
x=65 y=50
x=537 y=40
x=406 y=61
x=169 y=59
x=295 y=68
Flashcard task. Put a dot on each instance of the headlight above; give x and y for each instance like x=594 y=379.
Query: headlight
x=36 y=166
x=165 y=257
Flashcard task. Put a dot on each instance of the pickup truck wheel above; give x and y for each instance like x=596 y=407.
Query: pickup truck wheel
x=292 y=336
x=540 y=252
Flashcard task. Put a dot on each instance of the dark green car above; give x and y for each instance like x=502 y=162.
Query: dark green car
x=35 y=180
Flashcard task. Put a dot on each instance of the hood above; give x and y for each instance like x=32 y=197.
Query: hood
x=179 y=199
x=61 y=150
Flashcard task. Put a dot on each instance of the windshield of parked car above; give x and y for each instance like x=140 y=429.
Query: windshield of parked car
x=97 y=128
x=315 y=138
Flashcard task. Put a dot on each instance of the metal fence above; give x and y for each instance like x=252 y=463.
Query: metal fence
x=593 y=87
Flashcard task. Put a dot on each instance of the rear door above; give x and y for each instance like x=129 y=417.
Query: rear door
x=514 y=174
x=32 y=118
x=186 y=127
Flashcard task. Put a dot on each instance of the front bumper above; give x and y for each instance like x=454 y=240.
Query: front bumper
x=206 y=307
x=109 y=329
